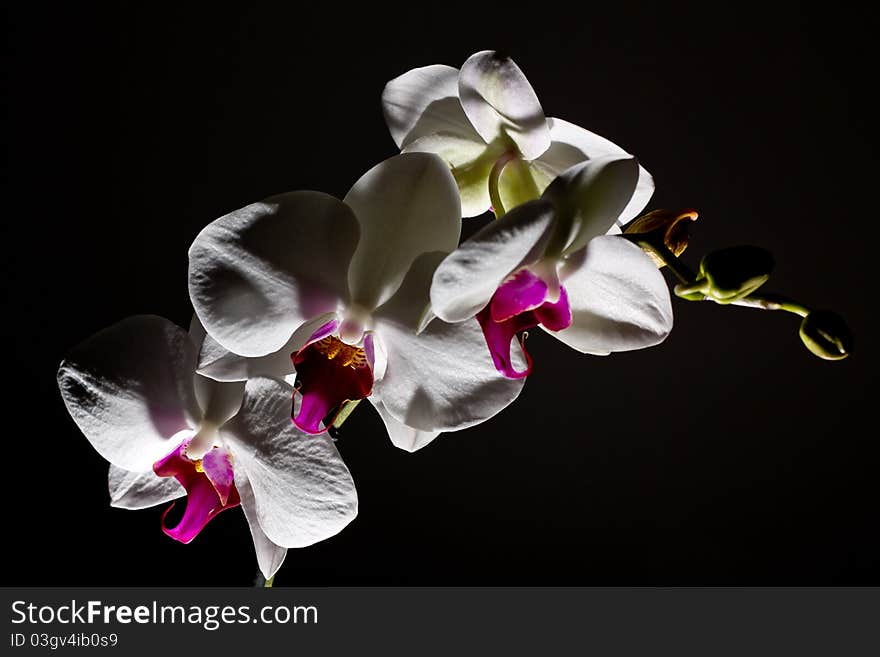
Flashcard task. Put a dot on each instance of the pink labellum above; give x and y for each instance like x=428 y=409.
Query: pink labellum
x=209 y=489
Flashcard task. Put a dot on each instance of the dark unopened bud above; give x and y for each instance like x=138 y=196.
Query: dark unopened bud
x=730 y=274
x=826 y=335
x=671 y=227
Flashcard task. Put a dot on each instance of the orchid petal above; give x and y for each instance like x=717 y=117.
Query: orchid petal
x=129 y=388
x=466 y=280
x=406 y=438
x=572 y=145
x=412 y=299
x=619 y=299
x=589 y=197
x=424 y=101
x=406 y=206
x=140 y=490
x=303 y=492
x=217 y=363
x=258 y=273
x=470 y=160
x=269 y=555
x=499 y=101
x=442 y=379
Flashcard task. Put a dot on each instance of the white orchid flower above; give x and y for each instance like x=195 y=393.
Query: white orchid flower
x=549 y=262
x=341 y=290
x=133 y=391
x=487 y=123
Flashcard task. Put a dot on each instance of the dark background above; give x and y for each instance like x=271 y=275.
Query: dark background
x=728 y=455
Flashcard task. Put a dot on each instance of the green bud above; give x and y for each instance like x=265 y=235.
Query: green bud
x=733 y=273
x=826 y=335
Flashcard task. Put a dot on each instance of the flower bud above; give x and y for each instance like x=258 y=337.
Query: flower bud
x=733 y=273
x=826 y=335
x=672 y=227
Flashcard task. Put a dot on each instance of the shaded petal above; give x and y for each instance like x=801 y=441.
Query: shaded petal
x=258 y=273
x=589 y=197
x=217 y=363
x=129 y=388
x=499 y=100
x=303 y=492
x=470 y=161
x=269 y=556
x=406 y=438
x=442 y=379
x=572 y=144
x=140 y=490
x=466 y=280
x=521 y=182
x=406 y=206
x=618 y=297
x=424 y=101
x=412 y=301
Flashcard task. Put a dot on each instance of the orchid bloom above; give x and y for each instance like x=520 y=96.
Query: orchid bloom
x=339 y=291
x=549 y=262
x=487 y=123
x=133 y=391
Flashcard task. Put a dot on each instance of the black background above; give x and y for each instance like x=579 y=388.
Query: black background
x=728 y=455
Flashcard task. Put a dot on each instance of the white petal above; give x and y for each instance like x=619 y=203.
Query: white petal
x=257 y=274
x=404 y=437
x=424 y=101
x=572 y=144
x=140 y=490
x=466 y=280
x=269 y=555
x=412 y=301
x=589 y=197
x=442 y=379
x=619 y=299
x=406 y=206
x=217 y=363
x=302 y=489
x=499 y=100
x=129 y=388
x=218 y=401
x=470 y=160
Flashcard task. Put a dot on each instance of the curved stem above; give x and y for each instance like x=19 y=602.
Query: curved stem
x=494 y=179
x=646 y=240
x=688 y=278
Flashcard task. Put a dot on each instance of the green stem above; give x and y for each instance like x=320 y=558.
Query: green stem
x=646 y=240
x=346 y=410
x=494 y=180
x=773 y=302
x=686 y=275
x=269 y=582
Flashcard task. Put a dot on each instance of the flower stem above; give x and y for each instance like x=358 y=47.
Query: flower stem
x=647 y=240
x=773 y=302
x=261 y=581
x=345 y=410
x=494 y=180
x=688 y=278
